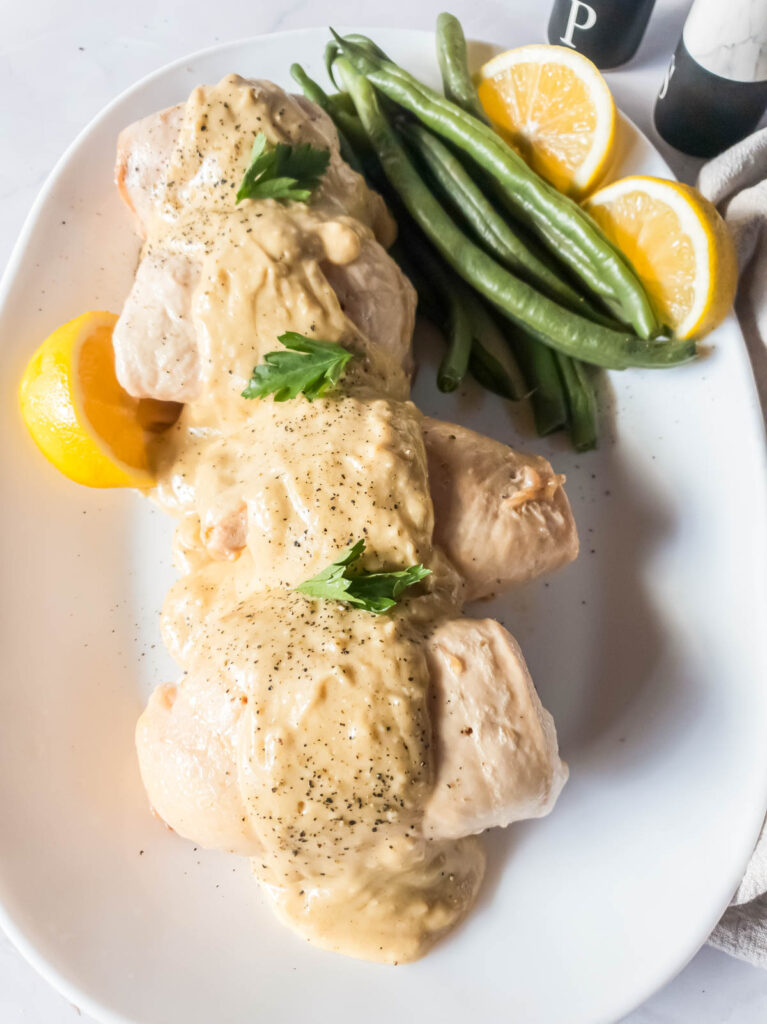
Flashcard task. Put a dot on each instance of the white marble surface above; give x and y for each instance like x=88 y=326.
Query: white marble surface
x=62 y=60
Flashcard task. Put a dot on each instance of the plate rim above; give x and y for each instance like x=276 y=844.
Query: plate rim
x=15 y=933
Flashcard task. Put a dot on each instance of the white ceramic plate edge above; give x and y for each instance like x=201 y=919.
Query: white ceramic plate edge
x=758 y=498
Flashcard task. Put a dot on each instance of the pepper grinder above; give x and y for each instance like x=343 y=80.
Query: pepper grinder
x=608 y=32
x=715 y=89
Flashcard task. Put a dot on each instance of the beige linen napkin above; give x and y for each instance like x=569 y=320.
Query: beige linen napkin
x=736 y=181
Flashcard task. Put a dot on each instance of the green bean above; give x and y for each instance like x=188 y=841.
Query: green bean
x=544 y=384
x=453 y=64
x=367 y=44
x=548 y=321
x=364 y=43
x=314 y=92
x=581 y=403
x=332 y=50
x=539 y=365
x=492 y=361
x=557 y=220
x=429 y=302
x=455 y=361
x=341 y=101
x=352 y=128
x=454 y=299
x=492 y=230
x=311 y=89
x=348 y=125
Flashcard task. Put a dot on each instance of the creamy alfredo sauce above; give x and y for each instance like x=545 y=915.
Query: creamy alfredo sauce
x=319 y=740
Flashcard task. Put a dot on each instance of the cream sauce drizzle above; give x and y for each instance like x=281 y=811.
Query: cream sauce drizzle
x=321 y=710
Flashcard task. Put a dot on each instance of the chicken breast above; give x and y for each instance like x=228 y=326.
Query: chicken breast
x=497 y=759
x=144 y=151
x=480 y=489
x=496 y=746
x=155 y=341
x=377 y=298
x=293 y=515
x=186 y=739
x=501 y=517
x=157 y=348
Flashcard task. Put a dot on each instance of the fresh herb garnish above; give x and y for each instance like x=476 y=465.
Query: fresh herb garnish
x=288 y=374
x=283 y=172
x=374 y=592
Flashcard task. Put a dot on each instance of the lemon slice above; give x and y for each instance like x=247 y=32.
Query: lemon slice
x=77 y=413
x=555 y=108
x=679 y=246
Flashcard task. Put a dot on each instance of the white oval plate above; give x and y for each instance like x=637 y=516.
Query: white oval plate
x=649 y=651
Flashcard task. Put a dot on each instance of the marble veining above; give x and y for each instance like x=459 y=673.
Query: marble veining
x=729 y=38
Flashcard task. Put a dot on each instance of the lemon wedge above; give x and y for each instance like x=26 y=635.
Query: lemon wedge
x=555 y=108
x=679 y=246
x=76 y=411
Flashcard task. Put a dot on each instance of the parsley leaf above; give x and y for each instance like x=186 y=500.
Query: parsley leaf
x=283 y=172
x=375 y=592
x=288 y=374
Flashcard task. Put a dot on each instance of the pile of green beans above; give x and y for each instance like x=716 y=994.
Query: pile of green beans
x=457 y=189
x=522 y=314
x=555 y=218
